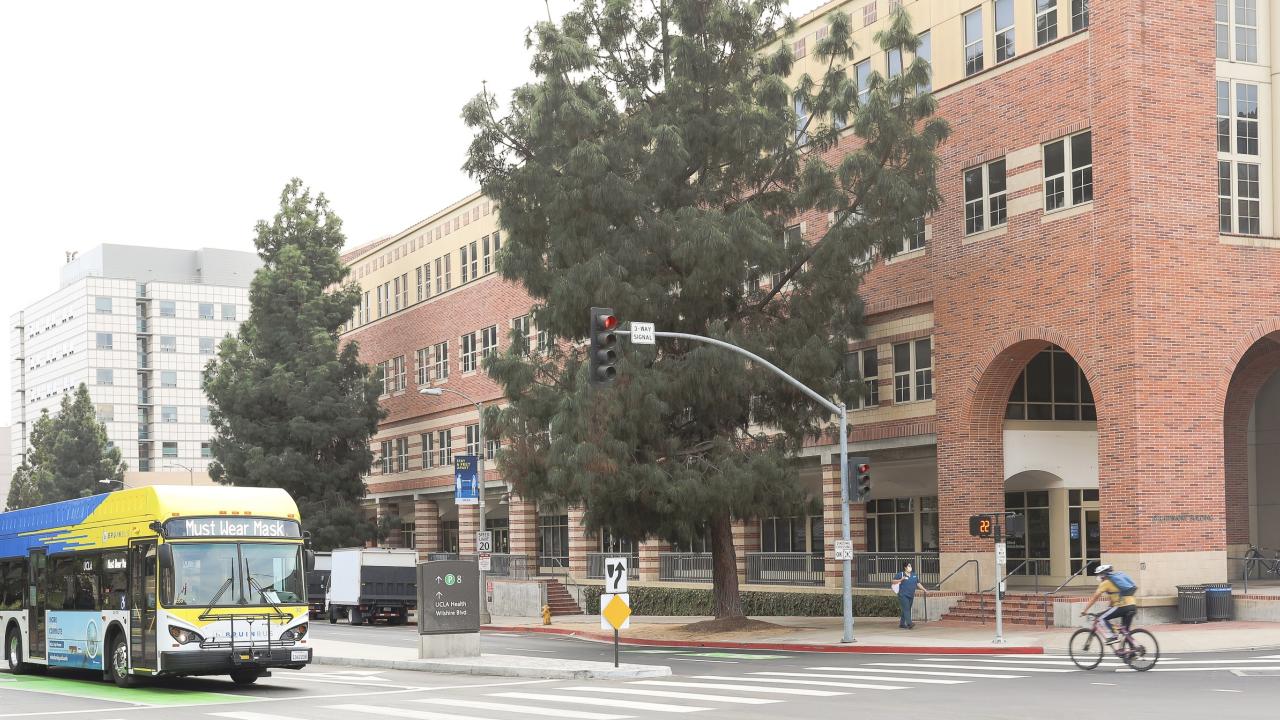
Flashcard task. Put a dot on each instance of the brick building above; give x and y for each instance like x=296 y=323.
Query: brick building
x=1069 y=336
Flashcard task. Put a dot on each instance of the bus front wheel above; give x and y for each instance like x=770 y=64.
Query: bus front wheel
x=13 y=652
x=119 y=660
x=245 y=677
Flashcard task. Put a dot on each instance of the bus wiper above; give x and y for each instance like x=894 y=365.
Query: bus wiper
x=216 y=597
x=261 y=591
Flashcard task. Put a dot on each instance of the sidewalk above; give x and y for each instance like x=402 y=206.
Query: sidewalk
x=873 y=635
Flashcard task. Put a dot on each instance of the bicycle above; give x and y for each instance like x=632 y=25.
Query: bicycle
x=1137 y=648
x=1254 y=557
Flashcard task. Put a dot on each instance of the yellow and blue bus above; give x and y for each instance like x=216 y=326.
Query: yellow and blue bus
x=157 y=581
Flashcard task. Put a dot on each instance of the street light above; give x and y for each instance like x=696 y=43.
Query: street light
x=113 y=482
x=191 y=474
x=437 y=392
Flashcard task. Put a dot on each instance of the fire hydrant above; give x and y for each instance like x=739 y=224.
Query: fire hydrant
x=546 y=614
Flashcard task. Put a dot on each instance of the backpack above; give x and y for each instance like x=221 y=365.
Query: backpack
x=1123 y=583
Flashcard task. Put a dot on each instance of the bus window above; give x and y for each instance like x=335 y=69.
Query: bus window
x=62 y=583
x=200 y=572
x=115 y=581
x=275 y=571
x=13 y=574
x=86 y=597
x=149 y=576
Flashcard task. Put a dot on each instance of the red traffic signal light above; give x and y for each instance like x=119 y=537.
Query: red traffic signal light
x=862 y=479
x=607 y=322
x=863 y=469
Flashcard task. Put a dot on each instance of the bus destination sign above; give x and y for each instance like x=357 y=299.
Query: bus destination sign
x=231 y=527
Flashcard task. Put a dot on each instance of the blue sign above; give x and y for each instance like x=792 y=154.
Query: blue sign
x=466 y=488
x=1075 y=531
x=74 y=639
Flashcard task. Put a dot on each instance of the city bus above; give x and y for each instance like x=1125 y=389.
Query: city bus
x=157 y=581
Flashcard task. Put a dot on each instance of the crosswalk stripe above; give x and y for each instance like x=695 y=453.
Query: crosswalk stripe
x=940 y=673
x=521 y=709
x=740 y=688
x=613 y=702
x=675 y=694
x=1241 y=661
x=243 y=715
x=1031 y=663
x=1267 y=657
x=400 y=712
x=829 y=676
x=1199 y=669
x=983 y=667
x=851 y=686
x=1032 y=658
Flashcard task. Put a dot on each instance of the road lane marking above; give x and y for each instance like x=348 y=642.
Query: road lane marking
x=487 y=685
x=998 y=676
x=252 y=716
x=860 y=676
x=1107 y=684
x=675 y=695
x=719 y=662
x=528 y=650
x=400 y=712
x=1217 y=690
x=611 y=702
x=982 y=667
x=740 y=688
x=1016 y=662
x=823 y=683
x=1197 y=669
x=520 y=709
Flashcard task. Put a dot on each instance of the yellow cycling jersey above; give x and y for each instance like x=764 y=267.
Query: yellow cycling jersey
x=1113 y=594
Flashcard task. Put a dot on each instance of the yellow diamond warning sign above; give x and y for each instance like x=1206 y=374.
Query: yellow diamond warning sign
x=615 y=612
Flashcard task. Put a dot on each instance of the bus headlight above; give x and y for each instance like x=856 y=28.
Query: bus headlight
x=184 y=636
x=294 y=633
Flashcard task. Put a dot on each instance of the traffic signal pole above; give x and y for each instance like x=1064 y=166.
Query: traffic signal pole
x=840 y=410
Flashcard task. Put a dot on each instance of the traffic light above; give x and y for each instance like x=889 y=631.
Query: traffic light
x=603 y=355
x=861 y=479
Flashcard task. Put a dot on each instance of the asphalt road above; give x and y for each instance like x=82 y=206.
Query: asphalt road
x=713 y=684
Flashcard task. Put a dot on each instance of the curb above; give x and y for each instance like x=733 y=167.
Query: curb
x=783 y=647
x=626 y=672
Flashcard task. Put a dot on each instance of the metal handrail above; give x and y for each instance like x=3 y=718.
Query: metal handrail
x=1044 y=606
x=1011 y=573
x=977 y=574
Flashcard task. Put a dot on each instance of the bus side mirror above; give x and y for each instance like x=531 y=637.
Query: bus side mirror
x=308 y=559
x=156 y=527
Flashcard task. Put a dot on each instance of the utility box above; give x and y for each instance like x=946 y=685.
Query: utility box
x=369 y=584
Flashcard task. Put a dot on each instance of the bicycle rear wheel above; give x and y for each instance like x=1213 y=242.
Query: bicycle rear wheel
x=1144 y=651
x=1086 y=649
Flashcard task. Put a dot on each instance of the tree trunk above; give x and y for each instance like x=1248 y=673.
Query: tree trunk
x=726 y=601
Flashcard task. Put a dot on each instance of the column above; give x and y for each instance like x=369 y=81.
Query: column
x=650 y=562
x=388 y=513
x=578 y=544
x=426 y=523
x=522 y=517
x=468 y=525
x=740 y=548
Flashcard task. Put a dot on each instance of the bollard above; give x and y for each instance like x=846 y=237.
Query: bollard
x=546 y=614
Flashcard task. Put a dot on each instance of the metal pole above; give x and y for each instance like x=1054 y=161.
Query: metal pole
x=999 y=595
x=485 y=618
x=615 y=647
x=847 y=580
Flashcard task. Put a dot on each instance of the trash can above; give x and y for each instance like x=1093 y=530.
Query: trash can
x=1218 y=601
x=1191 y=604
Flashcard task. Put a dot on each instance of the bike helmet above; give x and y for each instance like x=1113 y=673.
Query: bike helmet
x=1102 y=569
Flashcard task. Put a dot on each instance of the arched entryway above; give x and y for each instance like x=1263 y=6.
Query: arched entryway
x=1251 y=450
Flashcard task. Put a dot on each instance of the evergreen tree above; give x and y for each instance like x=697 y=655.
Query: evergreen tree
x=291 y=406
x=69 y=454
x=654 y=166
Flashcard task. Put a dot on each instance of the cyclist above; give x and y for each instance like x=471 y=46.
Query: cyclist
x=1123 y=607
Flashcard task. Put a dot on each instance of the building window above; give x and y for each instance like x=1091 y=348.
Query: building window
x=893 y=62
x=402 y=454
x=973 y=42
x=915 y=239
x=553 y=541
x=1248 y=195
x=489 y=341
x=364 y=308
x=169 y=449
x=105 y=412
x=169 y=413
x=791 y=237
x=1246 y=22
x=866 y=364
x=1246 y=119
x=449 y=536
x=1005 y=49
x=444 y=447
x=1029 y=554
x=168 y=378
x=798 y=49
x=104 y=341
x=862 y=77
x=102 y=305
x=891 y=525
x=422 y=360
x=393 y=379
x=1079 y=15
x=491 y=449
x=168 y=343
x=205 y=413
x=206 y=450
x=1224 y=116
x=795 y=534
x=520 y=334
x=396 y=291
x=1051 y=387
x=925 y=52
x=440 y=357
x=984 y=197
x=913 y=371
x=468 y=352
x=229 y=312
x=1075 y=152
x=802 y=119
x=397 y=368
x=1046 y=21
x=207 y=346
x=473 y=439
x=168 y=308
x=206 y=311
x=408 y=533
x=428 y=450
x=106 y=376
x=488 y=253
x=544 y=340
x=388 y=459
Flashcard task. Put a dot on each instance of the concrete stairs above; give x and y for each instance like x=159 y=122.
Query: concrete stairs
x=1018 y=609
x=561 y=602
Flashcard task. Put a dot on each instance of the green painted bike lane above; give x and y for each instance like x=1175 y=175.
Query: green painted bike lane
x=147 y=696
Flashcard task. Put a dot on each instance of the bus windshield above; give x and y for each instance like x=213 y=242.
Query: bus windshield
x=259 y=574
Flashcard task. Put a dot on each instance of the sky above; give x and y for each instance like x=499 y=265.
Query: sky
x=177 y=124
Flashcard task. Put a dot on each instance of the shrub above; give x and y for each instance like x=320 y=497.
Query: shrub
x=646 y=600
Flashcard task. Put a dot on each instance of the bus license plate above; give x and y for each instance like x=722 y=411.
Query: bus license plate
x=298 y=656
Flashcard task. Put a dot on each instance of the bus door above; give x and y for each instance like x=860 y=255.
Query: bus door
x=142 y=604
x=36 y=579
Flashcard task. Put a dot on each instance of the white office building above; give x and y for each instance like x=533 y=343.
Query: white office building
x=137 y=325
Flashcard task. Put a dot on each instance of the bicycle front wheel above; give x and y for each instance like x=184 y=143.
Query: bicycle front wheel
x=1143 y=649
x=1086 y=649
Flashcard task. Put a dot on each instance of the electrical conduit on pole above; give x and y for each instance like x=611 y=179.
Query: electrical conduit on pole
x=844 y=455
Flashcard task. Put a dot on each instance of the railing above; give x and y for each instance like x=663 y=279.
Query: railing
x=595 y=565
x=684 y=567
x=560 y=562
x=1255 y=561
x=879 y=568
x=505 y=565
x=774 y=568
x=1048 y=597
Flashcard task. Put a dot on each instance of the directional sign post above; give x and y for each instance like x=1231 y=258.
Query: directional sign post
x=615 y=613
x=615 y=575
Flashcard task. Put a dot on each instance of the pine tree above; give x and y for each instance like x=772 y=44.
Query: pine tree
x=69 y=455
x=654 y=166
x=291 y=406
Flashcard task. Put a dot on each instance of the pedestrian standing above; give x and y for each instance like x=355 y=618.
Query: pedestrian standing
x=905 y=584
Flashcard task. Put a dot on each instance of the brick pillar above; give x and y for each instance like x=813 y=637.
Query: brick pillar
x=749 y=542
x=649 y=562
x=426 y=525
x=468 y=525
x=831 y=526
x=390 y=512
x=578 y=544
x=523 y=518
x=740 y=548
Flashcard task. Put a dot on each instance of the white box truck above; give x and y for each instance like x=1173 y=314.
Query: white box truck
x=369 y=584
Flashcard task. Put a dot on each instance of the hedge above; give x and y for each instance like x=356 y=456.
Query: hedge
x=647 y=600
